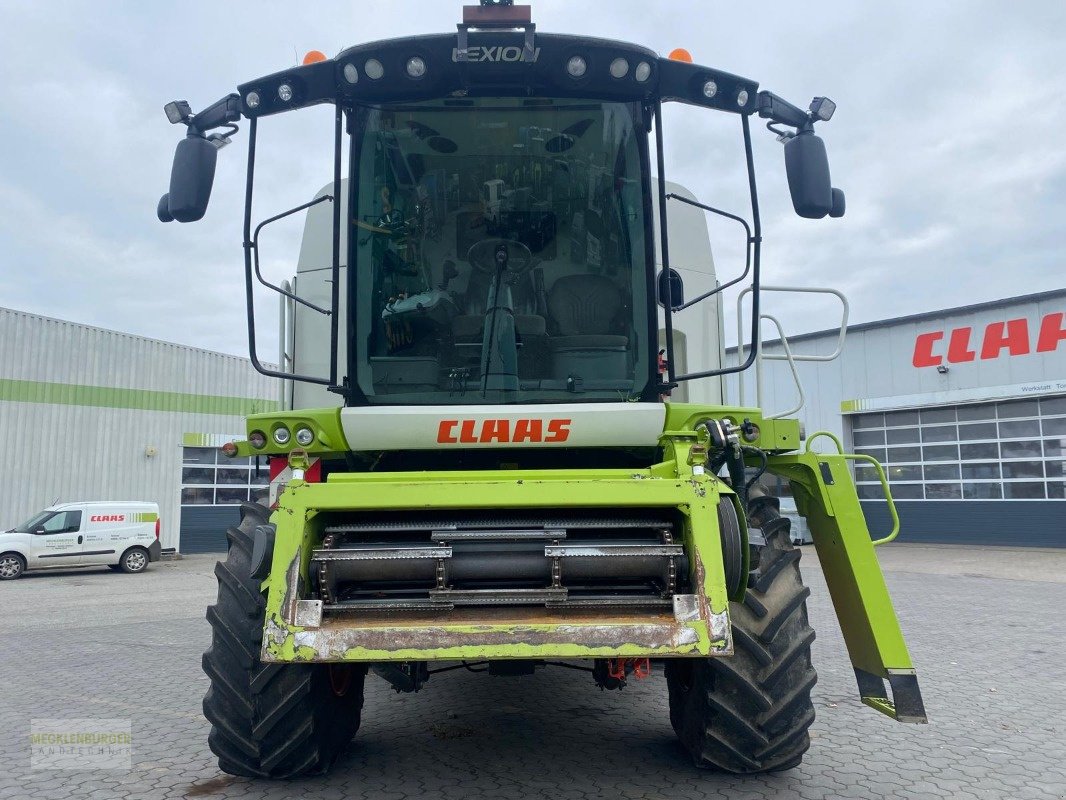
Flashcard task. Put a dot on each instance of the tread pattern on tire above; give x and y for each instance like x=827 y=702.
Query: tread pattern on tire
x=751 y=712
x=267 y=720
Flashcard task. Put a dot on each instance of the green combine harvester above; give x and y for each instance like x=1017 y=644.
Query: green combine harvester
x=493 y=471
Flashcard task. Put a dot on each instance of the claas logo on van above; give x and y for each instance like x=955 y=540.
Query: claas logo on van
x=107 y=518
x=504 y=431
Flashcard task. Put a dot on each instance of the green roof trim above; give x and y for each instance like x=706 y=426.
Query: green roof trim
x=70 y=394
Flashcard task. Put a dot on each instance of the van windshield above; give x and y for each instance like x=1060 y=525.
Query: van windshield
x=500 y=252
x=34 y=522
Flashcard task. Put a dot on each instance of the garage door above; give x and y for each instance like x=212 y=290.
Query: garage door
x=988 y=472
x=213 y=487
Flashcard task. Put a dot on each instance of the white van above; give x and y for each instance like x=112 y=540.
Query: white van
x=119 y=534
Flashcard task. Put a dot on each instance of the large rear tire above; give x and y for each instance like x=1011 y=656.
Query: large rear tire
x=750 y=713
x=269 y=720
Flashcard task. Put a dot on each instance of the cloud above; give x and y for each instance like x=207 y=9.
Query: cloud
x=945 y=141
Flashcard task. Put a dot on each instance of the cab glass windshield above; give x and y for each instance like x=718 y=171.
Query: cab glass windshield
x=500 y=252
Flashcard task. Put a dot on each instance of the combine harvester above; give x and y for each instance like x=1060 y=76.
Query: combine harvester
x=483 y=461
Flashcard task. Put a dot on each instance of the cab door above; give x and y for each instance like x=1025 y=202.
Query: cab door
x=57 y=541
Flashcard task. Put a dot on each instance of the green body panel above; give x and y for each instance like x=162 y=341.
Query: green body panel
x=825 y=495
x=295 y=629
x=324 y=422
x=607 y=634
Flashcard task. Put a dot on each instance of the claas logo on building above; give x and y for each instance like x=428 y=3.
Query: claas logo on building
x=1012 y=337
x=503 y=431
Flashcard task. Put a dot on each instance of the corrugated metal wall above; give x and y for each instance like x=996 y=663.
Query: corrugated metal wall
x=81 y=408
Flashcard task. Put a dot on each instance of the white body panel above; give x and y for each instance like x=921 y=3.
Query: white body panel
x=85 y=534
x=542 y=425
x=697 y=330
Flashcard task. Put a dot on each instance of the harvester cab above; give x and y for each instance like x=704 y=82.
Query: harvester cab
x=480 y=459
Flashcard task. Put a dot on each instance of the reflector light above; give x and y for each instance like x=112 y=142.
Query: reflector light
x=257 y=439
x=157 y=527
x=313 y=57
x=681 y=54
x=229 y=449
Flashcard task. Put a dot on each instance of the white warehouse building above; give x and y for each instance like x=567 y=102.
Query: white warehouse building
x=93 y=414
x=966 y=408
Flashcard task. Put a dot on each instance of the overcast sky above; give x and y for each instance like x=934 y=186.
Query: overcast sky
x=949 y=141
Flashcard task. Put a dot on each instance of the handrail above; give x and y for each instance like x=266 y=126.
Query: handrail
x=792 y=366
x=757 y=347
x=255 y=251
x=880 y=475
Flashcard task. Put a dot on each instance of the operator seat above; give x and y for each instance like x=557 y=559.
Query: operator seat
x=585 y=310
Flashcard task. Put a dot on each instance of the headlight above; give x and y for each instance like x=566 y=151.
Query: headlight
x=252 y=100
x=373 y=69
x=282 y=435
x=304 y=436
x=576 y=66
x=643 y=72
x=416 y=66
x=619 y=68
x=351 y=73
x=257 y=439
x=285 y=92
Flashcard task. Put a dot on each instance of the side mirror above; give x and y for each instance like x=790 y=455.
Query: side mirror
x=191 y=179
x=670 y=283
x=807 y=167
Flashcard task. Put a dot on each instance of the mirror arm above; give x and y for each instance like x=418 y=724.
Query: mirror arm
x=224 y=112
x=779 y=110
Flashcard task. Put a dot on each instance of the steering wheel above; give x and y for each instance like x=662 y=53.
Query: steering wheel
x=482 y=256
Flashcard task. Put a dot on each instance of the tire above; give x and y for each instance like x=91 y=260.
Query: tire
x=751 y=712
x=269 y=720
x=12 y=566
x=134 y=560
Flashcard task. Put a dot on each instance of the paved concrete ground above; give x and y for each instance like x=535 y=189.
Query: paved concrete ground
x=987 y=629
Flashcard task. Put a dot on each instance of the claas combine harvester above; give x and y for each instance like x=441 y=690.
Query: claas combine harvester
x=493 y=467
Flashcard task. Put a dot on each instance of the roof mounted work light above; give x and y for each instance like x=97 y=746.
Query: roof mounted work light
x=178 y=111
x=823 y=108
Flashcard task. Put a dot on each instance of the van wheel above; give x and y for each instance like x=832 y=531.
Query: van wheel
x=12 y=565
x=134 y=560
